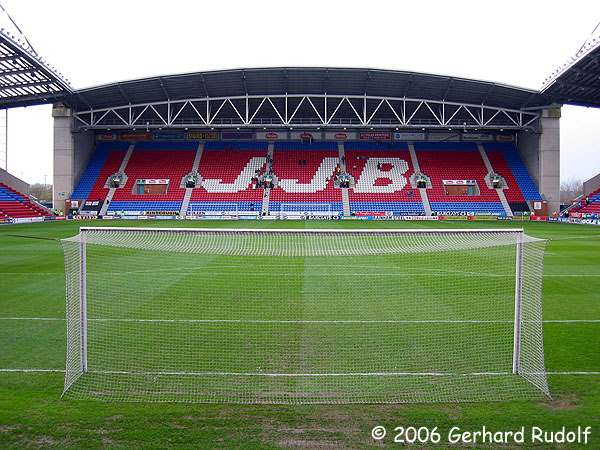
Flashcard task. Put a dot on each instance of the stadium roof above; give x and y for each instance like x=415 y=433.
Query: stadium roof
x=577 y=82
x=306 y=81
x=25 y=78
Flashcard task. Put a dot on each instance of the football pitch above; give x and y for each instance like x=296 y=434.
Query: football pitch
x=33 y=340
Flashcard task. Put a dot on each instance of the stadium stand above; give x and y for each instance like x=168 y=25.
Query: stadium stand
x=14 y=205
x=369 y=163
x=456 y=161
x=226 y=169
x=155 y=160
x=304 y=176
x=507 y=162
x=305 y=173
x=592 y=206
x=512 y=191
x=111 y=165
x=104 y=162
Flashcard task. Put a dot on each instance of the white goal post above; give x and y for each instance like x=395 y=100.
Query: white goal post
x=304 y=316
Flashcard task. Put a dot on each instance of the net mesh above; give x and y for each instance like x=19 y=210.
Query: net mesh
x=297 y=208
x=257 y=316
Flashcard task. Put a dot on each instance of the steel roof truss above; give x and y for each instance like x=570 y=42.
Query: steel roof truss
x=321 y=112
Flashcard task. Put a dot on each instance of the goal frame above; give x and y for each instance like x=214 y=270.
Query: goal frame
x=327 y=212
x=516 y=356
x=191 y=212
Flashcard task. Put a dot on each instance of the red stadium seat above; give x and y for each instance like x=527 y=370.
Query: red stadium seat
x=15 y=205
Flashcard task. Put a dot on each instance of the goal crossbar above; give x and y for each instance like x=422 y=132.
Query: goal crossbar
x=314 y=230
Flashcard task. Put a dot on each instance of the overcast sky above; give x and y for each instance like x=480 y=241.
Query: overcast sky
x=512 y=42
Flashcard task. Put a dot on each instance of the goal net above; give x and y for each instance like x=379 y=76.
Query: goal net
x=217 y=209
x=303 y=316
x=298 y=209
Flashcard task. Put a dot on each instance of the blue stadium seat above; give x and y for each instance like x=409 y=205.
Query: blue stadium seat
x=519 y=170
x=88 y=179
x=467 y=207
x=309 y=206
x=7 y=196
x=398 y=208
x=144 y=206
x=197 y=206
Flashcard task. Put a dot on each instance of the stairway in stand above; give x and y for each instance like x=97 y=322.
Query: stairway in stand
x=188 y=191
x=267 y=192
x=345 y=195
x=417 y=168
x=111 y=191
x=500 y=191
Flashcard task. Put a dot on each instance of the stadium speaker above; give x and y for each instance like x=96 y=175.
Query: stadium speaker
x=115 y=182
x=497 y=182
x=190 y=182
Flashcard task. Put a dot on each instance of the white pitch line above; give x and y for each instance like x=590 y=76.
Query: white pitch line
x=572 y=373
x=34 y=318
x=258 y=321
x=567 y=238
x=573 y=321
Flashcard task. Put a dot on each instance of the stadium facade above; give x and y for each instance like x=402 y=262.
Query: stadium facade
x=272 y=104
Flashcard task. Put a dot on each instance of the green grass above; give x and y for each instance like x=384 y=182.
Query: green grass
x=33 y=415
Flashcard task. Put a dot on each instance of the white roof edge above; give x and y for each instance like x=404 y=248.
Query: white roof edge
x=85 y=89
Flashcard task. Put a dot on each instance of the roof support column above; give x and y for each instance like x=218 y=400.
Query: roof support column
x=540 y=151
x=72 y=151
x=550 y=158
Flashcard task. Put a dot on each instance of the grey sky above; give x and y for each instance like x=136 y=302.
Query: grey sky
x=513 y=42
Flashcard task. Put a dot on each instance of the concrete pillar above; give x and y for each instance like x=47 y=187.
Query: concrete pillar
x=63 y=156
x=72 y=151
x=529 y=151
x=540 y=151
x=550 y=158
